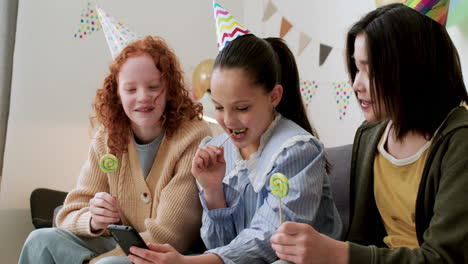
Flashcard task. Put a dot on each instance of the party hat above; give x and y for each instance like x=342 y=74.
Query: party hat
x=89 y=22
x=435 y=9
x=227 y=28
x=117 y=35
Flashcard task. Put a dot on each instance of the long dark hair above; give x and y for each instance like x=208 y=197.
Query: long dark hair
x=414 y=68
x=268 y=62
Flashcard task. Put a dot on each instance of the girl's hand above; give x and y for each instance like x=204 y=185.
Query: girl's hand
x=208 y=167
x=104 y=210
x=301 y=243
x=161 y=254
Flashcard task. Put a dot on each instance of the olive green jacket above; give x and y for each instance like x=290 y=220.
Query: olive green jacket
x=441 y=203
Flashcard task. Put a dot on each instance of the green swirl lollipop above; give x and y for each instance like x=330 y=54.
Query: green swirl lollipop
x=279 y=185
x=108 y=163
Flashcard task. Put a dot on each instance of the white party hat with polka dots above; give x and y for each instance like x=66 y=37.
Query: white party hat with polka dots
x=117 y=35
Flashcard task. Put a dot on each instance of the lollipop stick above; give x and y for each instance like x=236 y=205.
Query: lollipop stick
x=227 y=139
x=280 y=211
x=280 y=188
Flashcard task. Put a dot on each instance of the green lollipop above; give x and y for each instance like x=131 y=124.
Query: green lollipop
x=108 y=163
x=279 y=185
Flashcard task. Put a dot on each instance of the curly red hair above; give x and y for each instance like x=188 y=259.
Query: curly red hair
x=179 y=106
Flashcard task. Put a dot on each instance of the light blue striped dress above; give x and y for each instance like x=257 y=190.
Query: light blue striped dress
x=241 y=232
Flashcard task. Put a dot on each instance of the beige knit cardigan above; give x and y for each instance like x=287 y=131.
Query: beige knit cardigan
x=164 y=208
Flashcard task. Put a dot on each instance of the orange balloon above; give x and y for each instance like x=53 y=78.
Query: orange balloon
x=380 y=3
x=201 y=78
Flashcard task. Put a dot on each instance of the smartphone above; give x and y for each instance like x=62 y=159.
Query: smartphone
x=126 y=237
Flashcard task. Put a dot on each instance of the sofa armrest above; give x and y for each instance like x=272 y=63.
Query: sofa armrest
x=43 y=203
x=56 y=210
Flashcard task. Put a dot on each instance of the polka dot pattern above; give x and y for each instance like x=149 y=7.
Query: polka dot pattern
x=308 y=91
x=89 y=22
x=117 y=35
x=343 y=93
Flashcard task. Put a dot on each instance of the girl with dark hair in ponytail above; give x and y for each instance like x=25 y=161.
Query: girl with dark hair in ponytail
x=255 y=90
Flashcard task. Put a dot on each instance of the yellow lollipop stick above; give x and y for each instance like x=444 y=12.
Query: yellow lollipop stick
x=279 y=185
x=235 y=132
x=108 y=163
x=230 y=135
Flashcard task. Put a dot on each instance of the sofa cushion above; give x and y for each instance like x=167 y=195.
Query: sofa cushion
x=340 y=159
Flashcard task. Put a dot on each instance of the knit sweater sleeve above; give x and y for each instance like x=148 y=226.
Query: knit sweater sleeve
x=75 y=215
x=178 y=217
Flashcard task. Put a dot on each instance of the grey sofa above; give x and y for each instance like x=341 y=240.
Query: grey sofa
x=340 y=159
x=44 y=201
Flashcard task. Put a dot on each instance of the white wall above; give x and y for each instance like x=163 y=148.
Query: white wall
x=459 y=35
x=54 y=81
x=326 y=22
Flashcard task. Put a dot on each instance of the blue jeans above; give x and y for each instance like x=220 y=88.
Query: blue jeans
x=55 y=245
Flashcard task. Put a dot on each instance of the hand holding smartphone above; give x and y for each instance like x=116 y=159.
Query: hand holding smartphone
x=126 y=237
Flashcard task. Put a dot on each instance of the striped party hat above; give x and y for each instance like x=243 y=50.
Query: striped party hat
x=435 y=9
x=117 y=35
x=227 y=28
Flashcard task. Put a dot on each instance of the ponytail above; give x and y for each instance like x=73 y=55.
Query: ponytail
x=291 y=105
x=269 y=62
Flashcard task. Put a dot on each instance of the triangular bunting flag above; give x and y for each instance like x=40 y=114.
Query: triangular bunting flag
x=269 y=11
x=343 y=93
x=324 y=52
x=308 y=91
x=304 y=41
x=285 y=27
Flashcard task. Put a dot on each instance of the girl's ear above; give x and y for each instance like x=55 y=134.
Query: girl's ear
x=276 y=94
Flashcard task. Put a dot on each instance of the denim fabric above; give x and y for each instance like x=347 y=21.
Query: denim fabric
x=114 y=260
x=281 y=262
x=55 y=245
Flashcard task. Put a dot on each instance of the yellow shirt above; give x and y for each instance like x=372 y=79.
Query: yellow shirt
x=396 y=183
